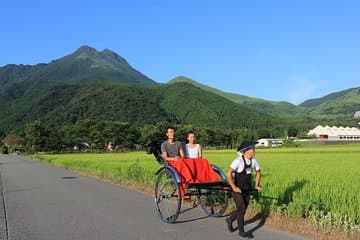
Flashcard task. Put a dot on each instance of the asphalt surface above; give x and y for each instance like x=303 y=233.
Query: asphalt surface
x=41 y=202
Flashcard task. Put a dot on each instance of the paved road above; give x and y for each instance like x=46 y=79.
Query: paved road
x=45 y=202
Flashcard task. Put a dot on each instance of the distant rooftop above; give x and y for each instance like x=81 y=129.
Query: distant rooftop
x=334 y=131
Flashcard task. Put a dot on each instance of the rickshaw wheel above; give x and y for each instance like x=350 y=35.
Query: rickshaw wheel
x=214 y=201
x=167 y=196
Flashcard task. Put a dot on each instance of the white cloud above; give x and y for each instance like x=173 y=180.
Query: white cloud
x=299 y=89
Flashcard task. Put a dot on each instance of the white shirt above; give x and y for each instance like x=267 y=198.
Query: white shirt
x=238 y=164
x=192 y=152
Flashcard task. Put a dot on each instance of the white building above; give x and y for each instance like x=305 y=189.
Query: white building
x=270 y=142
x=357 y=114
x=336 y=133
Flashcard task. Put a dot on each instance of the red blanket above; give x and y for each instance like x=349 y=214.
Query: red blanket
x=193 y=170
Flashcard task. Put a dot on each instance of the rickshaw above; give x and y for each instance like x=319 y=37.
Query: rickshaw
x=212 y=196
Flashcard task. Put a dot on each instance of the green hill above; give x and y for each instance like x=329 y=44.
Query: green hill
x=175 y=103
x=66 y=104
x=86 y=65
x=339 y=105
x=192 y=105
x=281 y=109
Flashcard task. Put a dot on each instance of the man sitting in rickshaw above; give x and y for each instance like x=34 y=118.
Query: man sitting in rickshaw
x=171 y=149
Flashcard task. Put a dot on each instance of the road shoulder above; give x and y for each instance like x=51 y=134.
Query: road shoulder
x=3 y=225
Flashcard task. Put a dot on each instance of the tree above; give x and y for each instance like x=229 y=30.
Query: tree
x=2 y=135
x=56 y=139
x=262 y=133
x=156 y=132
x=292 y=132
x=37 y=136
x=14 y=141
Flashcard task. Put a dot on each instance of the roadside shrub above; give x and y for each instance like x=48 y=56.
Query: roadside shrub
x=290 y=143
x=5 y=150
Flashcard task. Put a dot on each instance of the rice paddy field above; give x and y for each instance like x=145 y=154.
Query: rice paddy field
x=320 y=183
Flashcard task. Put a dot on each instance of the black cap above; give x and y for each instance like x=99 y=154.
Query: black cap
x=245 y=145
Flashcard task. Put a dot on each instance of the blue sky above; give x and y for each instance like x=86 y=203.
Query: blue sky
x=276 y=50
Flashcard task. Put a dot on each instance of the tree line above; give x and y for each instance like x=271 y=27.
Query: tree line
x=92 y=135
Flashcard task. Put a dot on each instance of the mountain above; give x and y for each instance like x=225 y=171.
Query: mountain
x=86 y=65
x=338 y=105
x=88 y=84
x=281 y=109
x=332 y=96
x=173 y=103
x=335 y=107
x=192 y=105
x=66 y=104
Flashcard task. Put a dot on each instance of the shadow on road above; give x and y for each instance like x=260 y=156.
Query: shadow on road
x=266 y=203
x=69 y=177
x=191 y=218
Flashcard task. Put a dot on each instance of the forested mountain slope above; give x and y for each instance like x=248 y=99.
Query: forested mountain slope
x=281 y=109
x=176 y=103
x=66 y=104
x=339 y=105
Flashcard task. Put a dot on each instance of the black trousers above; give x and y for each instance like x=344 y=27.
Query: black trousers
x=241 y=202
